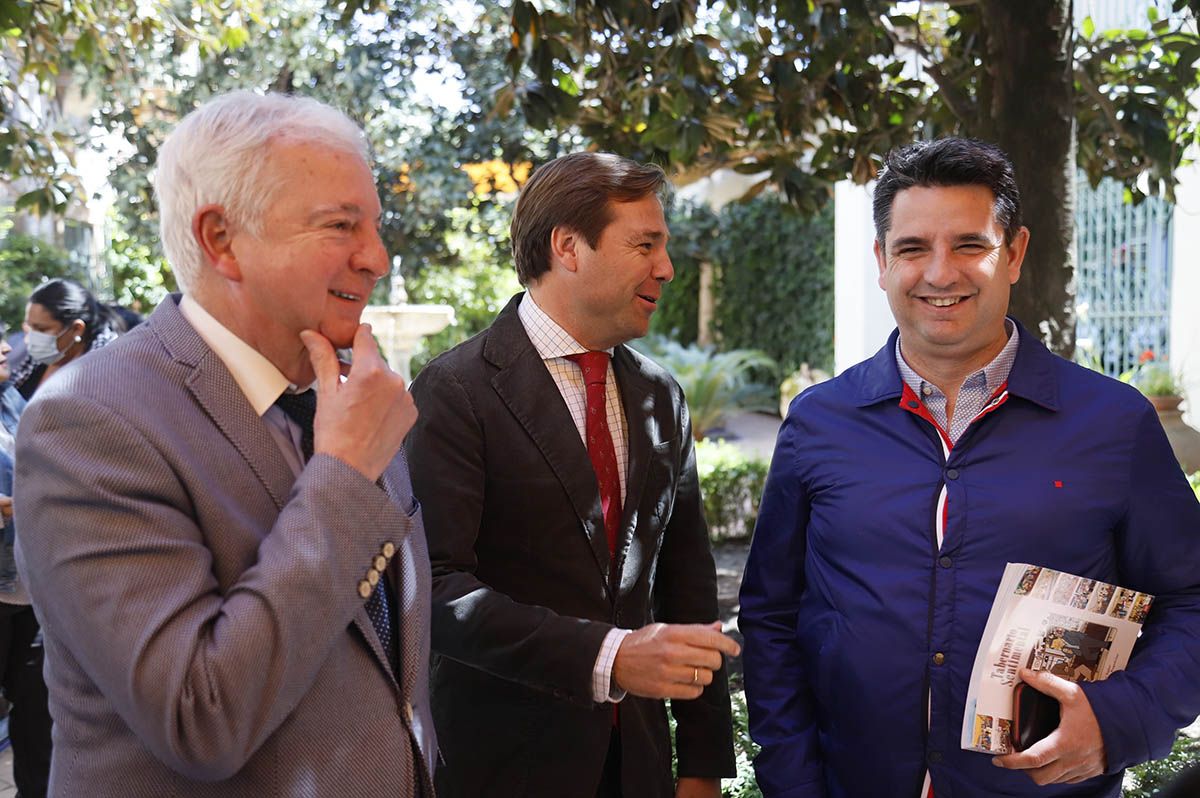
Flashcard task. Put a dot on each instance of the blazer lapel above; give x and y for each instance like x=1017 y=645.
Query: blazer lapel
x=524 y=385
x=638 y=398
x=222 y=399
x=219 y=395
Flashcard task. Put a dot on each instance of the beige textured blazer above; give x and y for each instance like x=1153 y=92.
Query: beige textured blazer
x=204 y=632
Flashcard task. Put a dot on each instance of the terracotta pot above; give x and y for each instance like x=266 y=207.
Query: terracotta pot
x=1165 y=404
x=1185 y=440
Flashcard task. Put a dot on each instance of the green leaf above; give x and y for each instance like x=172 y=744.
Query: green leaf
x=85 y=47
x=1088 y=27
x=38 y=201
x=566 y=82
x=233 y=38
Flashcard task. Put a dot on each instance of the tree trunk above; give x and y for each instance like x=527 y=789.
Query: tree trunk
x=1032 y=118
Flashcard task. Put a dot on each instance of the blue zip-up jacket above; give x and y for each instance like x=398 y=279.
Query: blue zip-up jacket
x=847 y=602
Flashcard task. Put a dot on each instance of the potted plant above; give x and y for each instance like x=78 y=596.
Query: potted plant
x=1156 y=381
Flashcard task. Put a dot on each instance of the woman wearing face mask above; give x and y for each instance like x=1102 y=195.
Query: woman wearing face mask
x=62 y=321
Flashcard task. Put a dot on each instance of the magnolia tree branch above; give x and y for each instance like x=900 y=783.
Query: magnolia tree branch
x=957 y=101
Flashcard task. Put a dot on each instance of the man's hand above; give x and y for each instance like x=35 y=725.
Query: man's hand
x=692 y=787
x=1075 y=750
x=5 y=507
x=671 y=660
x=363 y=420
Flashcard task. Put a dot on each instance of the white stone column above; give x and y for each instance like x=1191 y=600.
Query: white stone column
x=1185 y=288
x=862 y=319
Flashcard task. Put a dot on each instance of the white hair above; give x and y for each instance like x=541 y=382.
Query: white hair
x=218 y=155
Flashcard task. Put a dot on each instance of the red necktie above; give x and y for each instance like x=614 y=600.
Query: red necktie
x=599 y=442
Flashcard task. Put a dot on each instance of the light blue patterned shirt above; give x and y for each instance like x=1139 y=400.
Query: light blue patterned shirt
x=977 y=389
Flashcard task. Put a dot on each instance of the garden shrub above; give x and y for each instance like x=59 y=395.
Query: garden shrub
x=714 y=383
x=1144 y=781
x=731 y=484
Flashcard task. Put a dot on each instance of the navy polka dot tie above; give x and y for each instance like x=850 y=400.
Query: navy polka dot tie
x=302 y=409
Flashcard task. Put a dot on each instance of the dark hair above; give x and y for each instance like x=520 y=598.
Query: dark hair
x=67 y=301
x=574 y=191
x=122 y=319
x=949 y=162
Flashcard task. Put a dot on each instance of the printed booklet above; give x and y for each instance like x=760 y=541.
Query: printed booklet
x=1046 y=620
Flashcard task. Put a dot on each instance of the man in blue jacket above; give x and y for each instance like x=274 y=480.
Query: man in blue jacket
x=899 y=490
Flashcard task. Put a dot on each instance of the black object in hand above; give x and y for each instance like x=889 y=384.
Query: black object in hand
x=1035 y=715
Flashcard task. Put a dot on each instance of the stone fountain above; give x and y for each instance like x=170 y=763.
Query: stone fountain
x=399 y=326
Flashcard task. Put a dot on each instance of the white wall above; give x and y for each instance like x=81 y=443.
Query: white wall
x=862 y=319
x=1185 y=287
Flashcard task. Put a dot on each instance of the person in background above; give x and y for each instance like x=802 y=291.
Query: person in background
x=126 y=317
x=62 y=321
x=20 y=641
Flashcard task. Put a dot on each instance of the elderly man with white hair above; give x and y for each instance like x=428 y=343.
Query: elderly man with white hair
x=217 y=528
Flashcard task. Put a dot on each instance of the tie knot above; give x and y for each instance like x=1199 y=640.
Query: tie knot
x=300 y=407
x=593 y=364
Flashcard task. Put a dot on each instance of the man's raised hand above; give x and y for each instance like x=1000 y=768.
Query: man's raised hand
x=362 y=420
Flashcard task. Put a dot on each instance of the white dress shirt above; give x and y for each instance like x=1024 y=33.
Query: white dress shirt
x=258 y=378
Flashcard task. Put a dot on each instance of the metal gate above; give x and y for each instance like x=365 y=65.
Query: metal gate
x=1123 y=277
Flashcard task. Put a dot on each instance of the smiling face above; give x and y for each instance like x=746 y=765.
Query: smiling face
x=614 y=289
x=317 y=259
x=947 y=273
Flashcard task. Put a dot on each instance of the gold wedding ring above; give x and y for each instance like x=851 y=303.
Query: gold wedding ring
x=695 y=676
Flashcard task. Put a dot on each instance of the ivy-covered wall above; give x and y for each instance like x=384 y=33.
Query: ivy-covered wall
x=773 y=280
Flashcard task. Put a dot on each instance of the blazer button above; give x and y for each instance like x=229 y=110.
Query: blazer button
x=372 y=577
x=364 y=589
x=380 y=562
x=408 y=711
x=388 y=549
x=939 y=658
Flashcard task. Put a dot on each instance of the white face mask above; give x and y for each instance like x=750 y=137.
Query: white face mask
x=43 y=347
